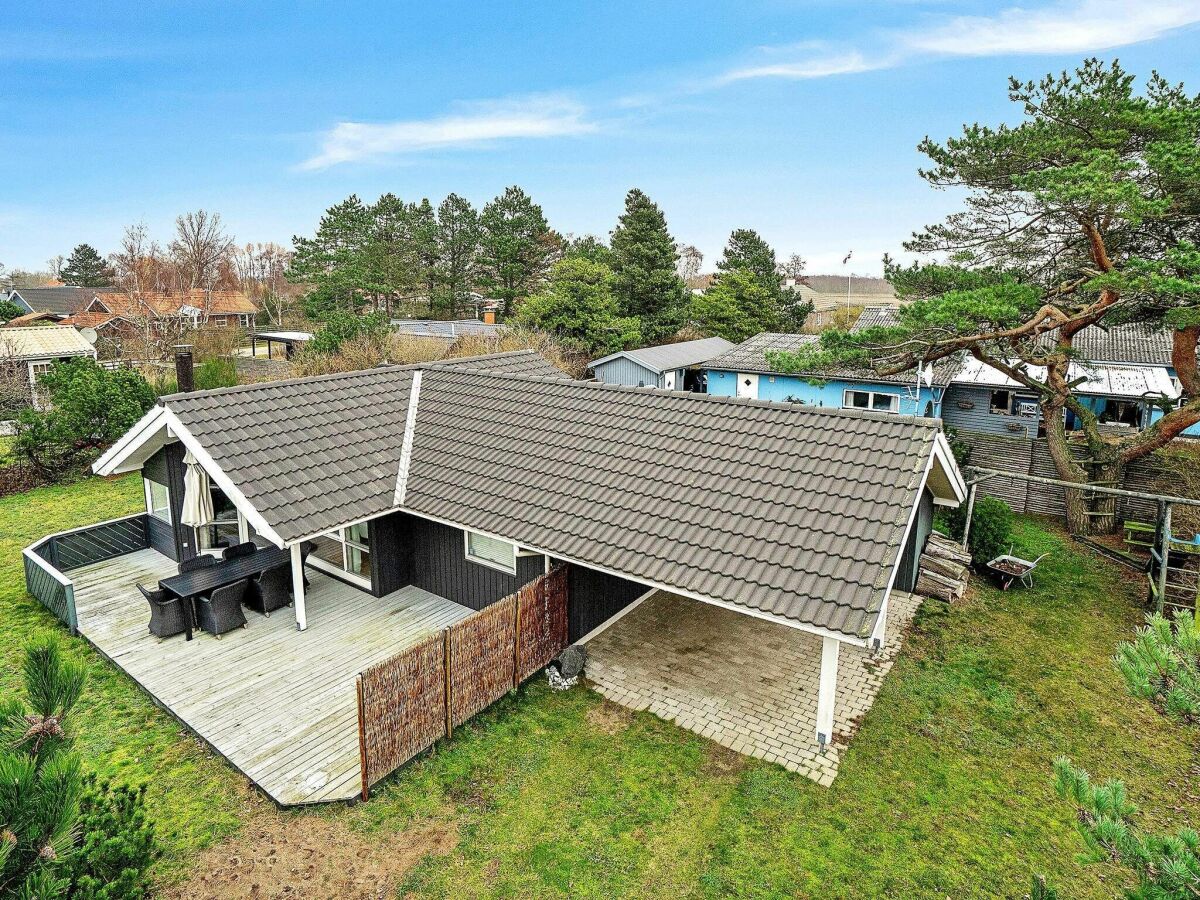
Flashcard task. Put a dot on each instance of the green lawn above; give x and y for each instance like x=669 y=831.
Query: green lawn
x=945 y=791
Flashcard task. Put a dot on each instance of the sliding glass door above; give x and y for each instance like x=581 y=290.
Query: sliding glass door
x=345 y=552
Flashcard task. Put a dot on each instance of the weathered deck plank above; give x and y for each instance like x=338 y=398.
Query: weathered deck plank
x=277 y=703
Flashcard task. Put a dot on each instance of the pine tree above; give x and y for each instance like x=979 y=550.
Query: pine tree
x=762 y=308
x=423 y=243
x=644 y=264
x=336 y=262
x=458 y=250
x=85 y=268
x=42 y=784
x=517 y=247
x=1162 y=665
x=1166 y=866
x=747 y=250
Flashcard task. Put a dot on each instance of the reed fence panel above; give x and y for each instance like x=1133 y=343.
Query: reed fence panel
x=481 y=659
x=401 y=708
x=409 y=701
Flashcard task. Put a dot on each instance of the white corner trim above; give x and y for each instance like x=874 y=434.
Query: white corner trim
x=945 y=459
x=410 y=427
x=236 y=497
x=110 y=461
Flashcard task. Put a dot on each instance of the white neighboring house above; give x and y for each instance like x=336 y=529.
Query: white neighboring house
x=32 y=351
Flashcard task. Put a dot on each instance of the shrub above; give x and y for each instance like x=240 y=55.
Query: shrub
x=116 y=845
x=1162 y=665
x=218 y=372
x=991 y=528
x=87 y=408
x=341 y=326
x=1166 y=866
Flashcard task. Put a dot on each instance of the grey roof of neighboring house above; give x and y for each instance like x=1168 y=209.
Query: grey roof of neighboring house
x=43 y=342
x=791 y=511
x=448 y=330
x=877 y=317
x=59 y=300
x=665 y=357
x=751 y=356
x=1131 y=343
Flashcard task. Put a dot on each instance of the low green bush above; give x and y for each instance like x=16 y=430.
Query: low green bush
x=991 y=528
x=116 y=845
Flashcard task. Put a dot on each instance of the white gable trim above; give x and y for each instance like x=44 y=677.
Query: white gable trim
x=147 y=426
x=944 y=457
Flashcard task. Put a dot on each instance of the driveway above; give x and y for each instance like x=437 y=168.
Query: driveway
x=744 y=683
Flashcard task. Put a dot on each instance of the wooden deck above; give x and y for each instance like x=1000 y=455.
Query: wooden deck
x=277 y=703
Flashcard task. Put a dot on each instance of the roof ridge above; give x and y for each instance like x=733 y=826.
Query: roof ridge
x=684 y=396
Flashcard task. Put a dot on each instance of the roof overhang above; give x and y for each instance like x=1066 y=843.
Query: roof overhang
x=153 y=431
x=944 y=480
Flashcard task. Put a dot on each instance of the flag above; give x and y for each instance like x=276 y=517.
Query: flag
x=847 y=259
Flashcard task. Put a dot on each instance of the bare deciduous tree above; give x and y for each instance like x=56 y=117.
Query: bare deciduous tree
x=793 y=267
x=199 y=246
x=690 y=261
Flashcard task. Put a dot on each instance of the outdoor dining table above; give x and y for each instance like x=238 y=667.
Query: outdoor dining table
x=190 y=585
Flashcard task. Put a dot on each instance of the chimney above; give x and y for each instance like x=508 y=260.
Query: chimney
x=184 y=375
x=489 y=317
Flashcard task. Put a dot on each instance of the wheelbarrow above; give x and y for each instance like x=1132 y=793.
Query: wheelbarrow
x=1008 y=568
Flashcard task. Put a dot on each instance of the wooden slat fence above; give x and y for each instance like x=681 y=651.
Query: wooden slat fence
x=423 y=693
x=1032 y=457
x=50 y=586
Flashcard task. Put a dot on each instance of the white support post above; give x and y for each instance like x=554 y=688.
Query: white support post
x=827 y=692
x=243 y=528
x=298 y=586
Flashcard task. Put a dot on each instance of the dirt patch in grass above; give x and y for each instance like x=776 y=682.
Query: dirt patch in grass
x=720 y=761
x=307 y=856
x=609 y=717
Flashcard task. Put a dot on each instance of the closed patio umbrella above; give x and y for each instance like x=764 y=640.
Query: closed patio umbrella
x=197 y=497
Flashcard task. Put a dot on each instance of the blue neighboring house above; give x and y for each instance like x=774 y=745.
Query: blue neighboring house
x=743 y=371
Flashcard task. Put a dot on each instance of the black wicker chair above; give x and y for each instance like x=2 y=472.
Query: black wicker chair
x=239 y=550
x=168 y=614
x=270 y=591
x=222 y=611
x=306 y=548
x=203 y=561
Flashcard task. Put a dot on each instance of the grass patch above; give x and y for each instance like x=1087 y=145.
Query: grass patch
x=945 y=791
x=193 y=797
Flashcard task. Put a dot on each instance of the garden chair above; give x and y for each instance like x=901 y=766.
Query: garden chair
x=270 y=591
x=239 y=550
x=168 y=614
x=222 y=610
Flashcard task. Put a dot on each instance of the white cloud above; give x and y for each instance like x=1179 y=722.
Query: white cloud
x=534 y=118
x=821 y=66
x=1077 y=27
x=1072 y=26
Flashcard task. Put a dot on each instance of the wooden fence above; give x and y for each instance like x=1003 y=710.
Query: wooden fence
x=423 y=693
x=1025 y=457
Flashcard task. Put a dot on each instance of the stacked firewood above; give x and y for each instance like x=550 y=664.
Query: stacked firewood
x=944 y=569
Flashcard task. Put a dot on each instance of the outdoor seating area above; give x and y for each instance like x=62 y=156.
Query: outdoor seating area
x=279 y=704
x=208 y=592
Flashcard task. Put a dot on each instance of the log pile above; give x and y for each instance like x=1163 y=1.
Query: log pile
x=943 y=569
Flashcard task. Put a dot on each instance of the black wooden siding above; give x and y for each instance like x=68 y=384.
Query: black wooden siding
x=594 y=597
x=407 y=549
x=906 y=578
x=166 y=467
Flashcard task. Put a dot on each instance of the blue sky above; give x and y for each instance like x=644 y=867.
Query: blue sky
x=799 y=119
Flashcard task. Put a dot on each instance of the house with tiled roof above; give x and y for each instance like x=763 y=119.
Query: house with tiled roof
x=747 y=370
x=196 y=307
x=32 y=350
x=61 y=301
x=422 y=493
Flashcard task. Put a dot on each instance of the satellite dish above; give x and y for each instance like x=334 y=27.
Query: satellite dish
x=89 y=335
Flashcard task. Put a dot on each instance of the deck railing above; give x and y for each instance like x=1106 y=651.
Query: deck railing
x=47 y=560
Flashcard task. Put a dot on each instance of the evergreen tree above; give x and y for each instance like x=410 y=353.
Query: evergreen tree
x=423 y=243
x=747 y=250
x=85 y=268
x=1162 y=665
x=517 y=247
x=1166 y=866
x=389 y=264
x=458 y=250
x=40 y=780
x=337 y=262
x=1084 y=213
x=736 y=307
x=578 y=304
x=644 y=260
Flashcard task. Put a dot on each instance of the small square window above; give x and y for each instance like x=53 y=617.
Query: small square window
x=490 y=551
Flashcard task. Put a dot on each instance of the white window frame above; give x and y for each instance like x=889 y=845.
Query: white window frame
x=491 y=564
x=343 y=571
x=150 y=508
x=893 y=400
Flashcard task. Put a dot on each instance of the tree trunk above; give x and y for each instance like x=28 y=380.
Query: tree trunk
x=1078 y=520
x=1108 y=473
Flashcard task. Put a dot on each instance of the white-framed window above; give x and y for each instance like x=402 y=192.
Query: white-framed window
x=158 y=500
x=345 y=552
x=875 y=401
x=490 y=551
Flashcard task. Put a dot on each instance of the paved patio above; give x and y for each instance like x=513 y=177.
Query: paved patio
x=744 y=683
x=277 y=703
